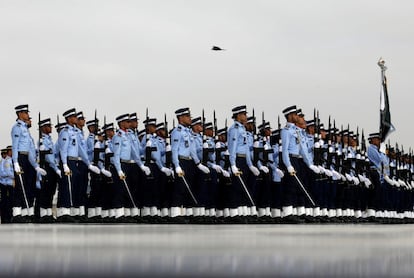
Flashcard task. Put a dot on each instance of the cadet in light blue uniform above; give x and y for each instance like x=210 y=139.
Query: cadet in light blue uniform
x=48 y=161
x=6 y=185
x=152 y=184
x=241 y=165
x=126 y=156
x=81 y=191
x=72 y=155
x=277 y=175
x=292 y=156
x=108 y=187
x=185 y=161
x=25 y=167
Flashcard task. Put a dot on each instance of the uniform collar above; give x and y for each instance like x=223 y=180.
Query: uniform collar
x=21 y=122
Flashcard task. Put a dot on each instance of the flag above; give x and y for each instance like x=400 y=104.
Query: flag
x=386 y=126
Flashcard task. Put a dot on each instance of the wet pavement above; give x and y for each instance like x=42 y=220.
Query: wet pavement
x=346 y=250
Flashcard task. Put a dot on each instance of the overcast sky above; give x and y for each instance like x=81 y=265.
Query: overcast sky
x=123 y=56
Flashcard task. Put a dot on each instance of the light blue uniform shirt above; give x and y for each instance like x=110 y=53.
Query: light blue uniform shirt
x=22 y=141
x=138 y=149
x=7 y=171
x=293 y=144
x=237 y=143
x=182 y=144
x=69 y=144
x=123 y=149
x=48 y=146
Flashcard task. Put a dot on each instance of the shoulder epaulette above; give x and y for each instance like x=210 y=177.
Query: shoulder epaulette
x=179 y=128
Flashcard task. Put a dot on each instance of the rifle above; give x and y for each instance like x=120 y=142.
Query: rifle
x=148 y=147
x=256 y=148
x=203 y=134
x=168 y=154
x=42 y=152
x=96 y=151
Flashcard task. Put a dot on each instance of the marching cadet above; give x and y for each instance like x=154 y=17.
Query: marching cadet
x=25 y=167
x=166 y=180
x=277 y=175
x=126 y=155
x=295 y=159
x=216 y=170
x=83 y=170
x=72 y=156
x=264 y=161
x=255 y=151
x=241 y=166
x=185 y=161
x=222 y=159
x=108 y=212
x=202 y=178
x=97 y=181
x=140 y=172
x=50 y=181
x=153 y=184
x=6 y=185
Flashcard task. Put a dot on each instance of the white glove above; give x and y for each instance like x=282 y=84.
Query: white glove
x=146 y=170
x=106 y=173
x=335 y=175
x=235 y=170
x=41 y=171
x=179 y=171
x=321 y=169
x=59 y=173
x=108 y=150
x=94 y=169
x=343 y=178
x=42 y=148
x=264 y=169
x=348 y=177
x=317 y=145
x=97 y=145
x=356 y=180
x=254 y=170
x=225 y=173
x=166 y=171
x=66 y=169
x=314 y=169
x=328 y=172
x=121 y=174
x=17 y=168
x=280 y=172
x=205 y=145
x=291 y=170
x=217 y=168
x=203 y=168
x=367 y=182
x=388 y=180
x=218 y=145
x=382 y=148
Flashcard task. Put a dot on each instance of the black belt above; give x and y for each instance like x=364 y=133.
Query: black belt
x=185 y=157
x=24 y=153
x=241 y=155
x=295 y=155
x=75 y=158
x=127 y=161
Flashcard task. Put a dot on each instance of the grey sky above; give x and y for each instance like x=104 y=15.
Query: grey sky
x=124 y=56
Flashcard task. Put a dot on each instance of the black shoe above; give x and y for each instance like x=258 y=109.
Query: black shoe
x=66 y=219
x=236 y=220
x=292 y=219
x=179 y=220
x=18 y=219
x=48 y=219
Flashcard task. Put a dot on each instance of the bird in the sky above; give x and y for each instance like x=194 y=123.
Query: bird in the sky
x=216 y=48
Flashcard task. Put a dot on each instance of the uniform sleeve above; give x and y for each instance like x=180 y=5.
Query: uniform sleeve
x=193 y=151
x=136 y=154
x=232 y=145
x=285 y=147
x=82 y=151
x=116 y=148
x=32 y=155
x=63 y=146
x=15 y=136
x=374 y=156
x=175 y=143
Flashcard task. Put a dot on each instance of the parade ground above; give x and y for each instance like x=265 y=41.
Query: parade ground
x=346 y=250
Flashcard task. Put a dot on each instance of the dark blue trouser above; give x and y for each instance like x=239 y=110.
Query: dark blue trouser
x=29 y=183
x=7 y=192
x=48 y=189
x=181 y=195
